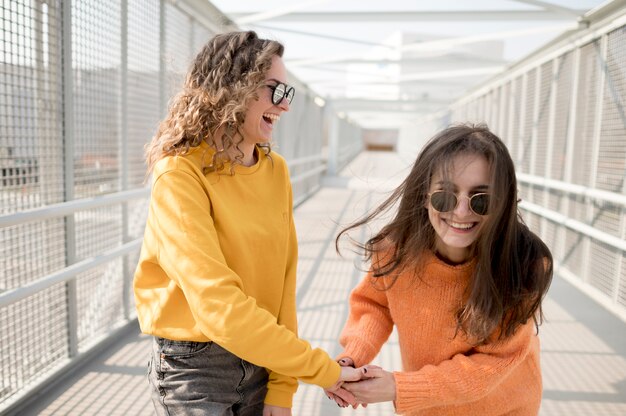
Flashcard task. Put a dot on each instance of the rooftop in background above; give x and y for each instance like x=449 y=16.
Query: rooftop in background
x=383 y=63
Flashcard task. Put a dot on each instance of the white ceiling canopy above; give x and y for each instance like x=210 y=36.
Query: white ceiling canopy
x=384 y=63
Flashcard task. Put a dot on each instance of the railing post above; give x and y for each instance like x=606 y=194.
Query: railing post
x=333 y=140
x=123 y=148
x=162 y=65
x=68 y=148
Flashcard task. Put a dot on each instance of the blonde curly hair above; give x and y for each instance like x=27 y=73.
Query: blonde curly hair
x=223 y=78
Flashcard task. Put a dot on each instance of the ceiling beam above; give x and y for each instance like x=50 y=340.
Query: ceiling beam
x=566 y=11
x=276 y=12
x=442 y=47
x=449 y=59
x=393 y=106
x=458 y=73
x=373 y=120
x=330 y=82
x=417 y=16
x=448 y=43
x=322 y=36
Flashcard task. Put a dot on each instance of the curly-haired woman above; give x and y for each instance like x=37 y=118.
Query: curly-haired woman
x=215 y=283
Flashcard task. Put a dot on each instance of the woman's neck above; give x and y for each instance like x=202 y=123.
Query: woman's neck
x=453 y=256
x=250 y=156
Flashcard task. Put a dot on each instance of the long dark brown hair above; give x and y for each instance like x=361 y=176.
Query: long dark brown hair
x=513 y=266
x=223 y=78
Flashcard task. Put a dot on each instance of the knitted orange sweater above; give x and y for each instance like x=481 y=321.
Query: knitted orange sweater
x=443 y=374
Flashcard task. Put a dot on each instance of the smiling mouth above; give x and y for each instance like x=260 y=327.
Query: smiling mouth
x=461 y=226
x=271 y=118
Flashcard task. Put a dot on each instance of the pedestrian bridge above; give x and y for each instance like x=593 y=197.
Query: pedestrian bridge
x=583 y=344
x=83 y=85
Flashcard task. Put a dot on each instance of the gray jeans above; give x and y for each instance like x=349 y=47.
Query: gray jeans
x=202 y=378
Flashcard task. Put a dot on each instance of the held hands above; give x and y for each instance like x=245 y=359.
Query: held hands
x=342 y=397
x=375 y=385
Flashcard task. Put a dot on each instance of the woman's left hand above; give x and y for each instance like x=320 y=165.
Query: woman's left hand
x=379 y=387
x=269 y=410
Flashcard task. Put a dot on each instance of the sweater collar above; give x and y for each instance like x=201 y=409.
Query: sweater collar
x=437 y=269
x=207 y=154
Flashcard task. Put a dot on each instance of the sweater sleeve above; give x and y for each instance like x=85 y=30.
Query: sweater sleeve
x=465 y=377
x=189 y=252
x=369 y=323
x=281 y=388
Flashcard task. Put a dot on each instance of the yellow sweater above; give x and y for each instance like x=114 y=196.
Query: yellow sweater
x=218 y=263
x=442 y=374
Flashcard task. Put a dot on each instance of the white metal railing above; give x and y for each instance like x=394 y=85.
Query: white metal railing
x=573 y=189
x=561 y=114
x=574 y=225
x=69 y=253
x=581 y=191
x=316 y=170
x=63 y=209
x=67 y=274
x=69 y=208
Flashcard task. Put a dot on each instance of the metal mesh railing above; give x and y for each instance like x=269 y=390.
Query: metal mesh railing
x=562 y=115
x=83 y=85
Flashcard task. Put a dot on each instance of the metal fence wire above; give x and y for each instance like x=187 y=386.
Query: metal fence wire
x=563 y=119
x=83 y=85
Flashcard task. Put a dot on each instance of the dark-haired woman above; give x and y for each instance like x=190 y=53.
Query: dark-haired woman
x=215 y=283
x=461 y=278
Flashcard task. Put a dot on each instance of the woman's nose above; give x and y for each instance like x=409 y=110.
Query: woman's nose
x=463 y=207
x=284 y=105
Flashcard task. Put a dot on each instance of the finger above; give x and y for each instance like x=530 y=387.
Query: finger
x=346 y=362
x=351 y=374
x=340 y=402
x=346 y=396
x=373 y=371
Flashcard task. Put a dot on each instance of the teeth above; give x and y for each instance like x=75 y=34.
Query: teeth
x=273 y=117
x=461 y=226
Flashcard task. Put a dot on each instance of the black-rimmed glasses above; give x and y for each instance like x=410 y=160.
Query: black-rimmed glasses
x=446 y=201
x=280 y=91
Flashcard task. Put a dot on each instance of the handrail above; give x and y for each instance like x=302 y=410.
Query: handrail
x=308 y=174
x=63 y=209
x=305 y=159
x=578 y=226
x=67 y=273
x=70 y=207
x=596 y=194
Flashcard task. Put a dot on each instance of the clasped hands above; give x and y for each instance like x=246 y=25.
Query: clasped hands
x=363 y=385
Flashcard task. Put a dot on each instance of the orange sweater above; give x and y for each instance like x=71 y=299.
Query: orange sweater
x=442 y=374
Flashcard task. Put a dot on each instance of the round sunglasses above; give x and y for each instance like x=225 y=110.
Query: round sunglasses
x=446 y=201
x=282 y=91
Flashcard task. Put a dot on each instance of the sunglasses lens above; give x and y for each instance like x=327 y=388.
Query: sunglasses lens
x=480 y=203
x=443 y=201
x=279 y=93
x=290 y=93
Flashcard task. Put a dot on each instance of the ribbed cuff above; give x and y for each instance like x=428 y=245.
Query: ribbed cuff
x=411 y=391
x=360 y=351
x=331 y=377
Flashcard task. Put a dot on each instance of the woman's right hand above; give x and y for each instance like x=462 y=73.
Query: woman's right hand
x=348 y=373
x=340 y=395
